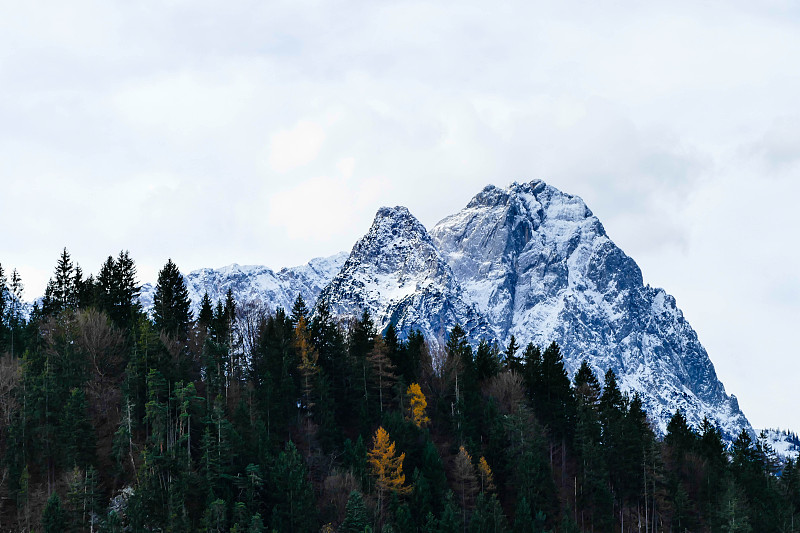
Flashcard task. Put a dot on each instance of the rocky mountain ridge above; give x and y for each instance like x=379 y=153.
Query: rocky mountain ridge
x=527 y=260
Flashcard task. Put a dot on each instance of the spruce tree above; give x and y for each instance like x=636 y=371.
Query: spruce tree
x=61 y=292
x=532 y=370
x=206 y=314
x=487 y=364
x=512 y=361
x=53 y=517
x=355 y=519
x=171 y=304
x=556 y=404
x=294 y=510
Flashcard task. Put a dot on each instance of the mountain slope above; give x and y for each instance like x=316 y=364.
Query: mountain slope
x=258 y=283
x=538 y=264
x=396 y=273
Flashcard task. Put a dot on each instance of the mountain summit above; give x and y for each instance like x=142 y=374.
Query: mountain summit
x=397 y=274
x=527 y=260
x=534 y=262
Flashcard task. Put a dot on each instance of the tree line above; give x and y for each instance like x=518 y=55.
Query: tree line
x=240 y=419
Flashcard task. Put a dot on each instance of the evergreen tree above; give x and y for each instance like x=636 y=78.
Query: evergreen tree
x=532 y=370
x=293 y=494
x=77 y=434
x=61 y=292
x=556 y=404
x=487 y=364
x=12 y=317
x=512 y=360
x=488 y=516
x=299 y=310
x=53 y=519
x=355 y=520
x=205 y=316
x=171 y=304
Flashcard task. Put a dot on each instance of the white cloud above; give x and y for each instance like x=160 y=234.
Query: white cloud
x=296 y=147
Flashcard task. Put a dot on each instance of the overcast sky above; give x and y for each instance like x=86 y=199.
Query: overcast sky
x=270 y=133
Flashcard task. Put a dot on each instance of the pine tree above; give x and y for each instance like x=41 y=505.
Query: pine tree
x=355 y=520
x=12 y=317
x=171 y=304
x=556 y=405
x=523 y=522
x=299 y=310
x=487 y=364
x=61 y=292
x=206 y=314
x=452 y=519
x=53 y=519
x=308 y=369
x=4 y=301
x=77 y=434
x=488 y=516
x=532 y=370
x=294 y=509
x=513 y=361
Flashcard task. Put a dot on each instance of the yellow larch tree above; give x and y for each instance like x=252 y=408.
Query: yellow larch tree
x=485 y=475
x=386 y=467
x=417 y=405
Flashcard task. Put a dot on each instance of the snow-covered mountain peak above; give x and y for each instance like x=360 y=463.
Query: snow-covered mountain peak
x=539 y=265
x=397 y=274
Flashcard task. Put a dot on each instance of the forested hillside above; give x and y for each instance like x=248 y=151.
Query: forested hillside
x=236 y=420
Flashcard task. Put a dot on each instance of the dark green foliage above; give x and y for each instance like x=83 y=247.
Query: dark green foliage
x=116 y=292
x=53 y=516
x=293 y=497
x=451 y=521
x=487 y=361
x=171 y=305
x=200 y=423
x=513 y=361
x=355 y=520
x=77 y=434
x=63 y=288
x=555 y=401
x=488 y=516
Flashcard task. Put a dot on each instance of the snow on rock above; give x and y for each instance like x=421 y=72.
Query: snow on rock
x=396 y=274
x=538 y=264
x=786 y=444
x=258 y=283
x=527 y=260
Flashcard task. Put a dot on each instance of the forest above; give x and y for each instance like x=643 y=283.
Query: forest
x=245 y=418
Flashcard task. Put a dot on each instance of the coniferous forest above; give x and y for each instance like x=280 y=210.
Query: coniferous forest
x=248 y=419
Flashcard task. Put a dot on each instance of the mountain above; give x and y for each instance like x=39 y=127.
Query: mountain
x=532 y=261
x=397 y=274
x=527 y=260
x=258 y=283
x=539 y=265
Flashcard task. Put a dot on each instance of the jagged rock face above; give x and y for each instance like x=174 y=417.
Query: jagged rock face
x=258 y=283
x=538 y=264
x=527 y=260
x=396 y=273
